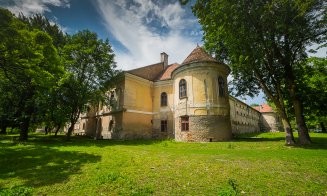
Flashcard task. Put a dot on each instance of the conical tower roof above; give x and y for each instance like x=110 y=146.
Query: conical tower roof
x=198 y=55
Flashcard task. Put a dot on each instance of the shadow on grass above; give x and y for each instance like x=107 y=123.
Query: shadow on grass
x=256 y=137
x=84 y=141
x=319 y=141
x=39 y=165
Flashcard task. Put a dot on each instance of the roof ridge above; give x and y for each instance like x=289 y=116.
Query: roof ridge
x=145 y=66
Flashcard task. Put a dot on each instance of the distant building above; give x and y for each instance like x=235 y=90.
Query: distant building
x=270 y=120
x=187 y=102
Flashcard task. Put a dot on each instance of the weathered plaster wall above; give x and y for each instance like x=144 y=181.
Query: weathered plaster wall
x=271 y=122
x=208 y=112
x=244 y=118
x=160 y=112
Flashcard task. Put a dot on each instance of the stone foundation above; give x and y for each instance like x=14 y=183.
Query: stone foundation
x=205 y=129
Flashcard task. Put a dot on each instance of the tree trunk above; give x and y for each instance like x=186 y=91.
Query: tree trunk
x=24 y=129
x=279 y=103
x=323 y=128
x=46 y=130
x=3 y=128
x=289 y=138
x=57 y=130
x=304 y=137
x=70 y=129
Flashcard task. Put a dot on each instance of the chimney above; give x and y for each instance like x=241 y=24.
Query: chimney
x=164 y=59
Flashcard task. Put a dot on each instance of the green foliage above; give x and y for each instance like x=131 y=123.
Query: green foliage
x=312 y=83
x=42 y=87
x=29 y=67
x=41 y=23
x=90 y=64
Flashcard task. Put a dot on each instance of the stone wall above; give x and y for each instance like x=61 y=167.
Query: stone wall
x=208 y=128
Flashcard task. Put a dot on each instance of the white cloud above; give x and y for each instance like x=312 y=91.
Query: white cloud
x=62 y=28
x=129 y=23
x=30 y=7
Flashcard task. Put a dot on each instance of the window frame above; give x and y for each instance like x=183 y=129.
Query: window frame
x=221 y=87
x=185 y=123
x=182 y=88
x=164 y=125
x=163 y=99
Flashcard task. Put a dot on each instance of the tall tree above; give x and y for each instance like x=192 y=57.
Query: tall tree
x=91 y=69
x=264 y=41
x=28 y=64
x=312 y=83
x=41 y=23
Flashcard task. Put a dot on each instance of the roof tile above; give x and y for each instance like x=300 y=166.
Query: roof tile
x=198 y=55
x=149 y=72
x=264 y=108
x=166 y=74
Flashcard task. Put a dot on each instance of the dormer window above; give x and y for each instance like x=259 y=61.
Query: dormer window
x=182 y=88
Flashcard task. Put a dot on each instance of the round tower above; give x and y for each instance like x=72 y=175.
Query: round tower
x=201 y=99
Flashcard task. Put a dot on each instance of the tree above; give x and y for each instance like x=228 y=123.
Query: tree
x=90 y=64
x=312 y=83
x=41 y=23
x=264 y=41
x=28 y=66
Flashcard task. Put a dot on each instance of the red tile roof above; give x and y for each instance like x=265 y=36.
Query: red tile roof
x=264 y=108
x=149 y=72
x=166 y=74
x=198 y=55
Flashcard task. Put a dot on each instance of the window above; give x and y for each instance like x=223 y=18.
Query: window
x=221 y=87
x=182 y=88
x=185 y=123
x=163 y=99
x=163 y=126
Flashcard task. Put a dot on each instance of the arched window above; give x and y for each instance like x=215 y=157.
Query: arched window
x=182 y=88
x=221 y=87
x=163 y=99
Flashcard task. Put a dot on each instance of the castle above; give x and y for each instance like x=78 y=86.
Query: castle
x=186 y=102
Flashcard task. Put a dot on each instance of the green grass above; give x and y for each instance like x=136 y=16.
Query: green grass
x=252 y=164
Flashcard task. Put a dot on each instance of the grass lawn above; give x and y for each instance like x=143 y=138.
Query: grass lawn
x=251 y=164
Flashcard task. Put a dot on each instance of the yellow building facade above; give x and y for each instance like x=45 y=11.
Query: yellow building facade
x=186 y=102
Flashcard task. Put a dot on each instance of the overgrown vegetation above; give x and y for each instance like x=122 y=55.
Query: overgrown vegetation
x=252 y=164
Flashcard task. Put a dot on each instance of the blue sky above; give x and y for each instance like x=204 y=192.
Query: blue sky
x=138 y=30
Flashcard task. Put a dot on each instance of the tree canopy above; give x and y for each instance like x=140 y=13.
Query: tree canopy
x=91 y=68
x=40 y=86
